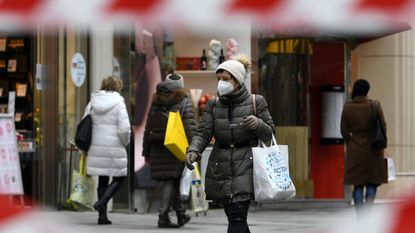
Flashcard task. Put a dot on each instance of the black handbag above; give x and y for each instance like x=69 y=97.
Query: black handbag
x=379 y=139
x=83 y=135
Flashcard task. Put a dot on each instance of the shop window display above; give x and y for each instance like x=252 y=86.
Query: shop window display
x=16 y=75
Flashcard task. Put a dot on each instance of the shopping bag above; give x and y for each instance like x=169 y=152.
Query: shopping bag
x=272 y=181
x=185 y=183
x=391 y=169
x=198 y=195
x=175 y=139
x=83 y=186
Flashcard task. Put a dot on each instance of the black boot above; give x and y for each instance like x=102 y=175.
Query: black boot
x=182 y=218
x=164 y=222
x=102 y=217
x=101 y=204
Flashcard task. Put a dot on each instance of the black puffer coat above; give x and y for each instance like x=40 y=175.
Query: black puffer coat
x=229 y=171
x=163 y=164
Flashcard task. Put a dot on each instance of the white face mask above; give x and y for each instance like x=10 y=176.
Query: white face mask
x=225 y=88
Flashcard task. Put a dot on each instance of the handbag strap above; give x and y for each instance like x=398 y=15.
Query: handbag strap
x=82 y=164
x=254 y=103
x=374 y=107
x=182 y=105
x=90 y=108
x=273 y=142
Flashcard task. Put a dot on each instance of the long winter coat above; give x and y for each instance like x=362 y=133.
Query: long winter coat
x=364 y=165
x=229 y=170
x=111 y=131
x=163 y=164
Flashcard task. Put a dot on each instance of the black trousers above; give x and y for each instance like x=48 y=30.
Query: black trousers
x=237 y=214
x=106 y=191
x=170 y=197
x=104 y=180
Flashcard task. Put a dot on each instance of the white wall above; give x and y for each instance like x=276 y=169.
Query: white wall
x=101 y=55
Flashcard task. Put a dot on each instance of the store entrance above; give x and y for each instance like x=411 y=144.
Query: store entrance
x=293 y=73
x=73 y=95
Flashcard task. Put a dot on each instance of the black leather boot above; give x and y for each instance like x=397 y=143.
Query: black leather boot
x=182 y=218
x=164 y=222
x=101 y=204
x=102 y=217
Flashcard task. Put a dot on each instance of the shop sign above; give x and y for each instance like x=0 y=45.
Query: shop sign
x=10 y=174
x=78 y=69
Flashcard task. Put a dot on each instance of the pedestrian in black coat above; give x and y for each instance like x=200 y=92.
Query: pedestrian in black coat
x=236 y=127
x=164 y=166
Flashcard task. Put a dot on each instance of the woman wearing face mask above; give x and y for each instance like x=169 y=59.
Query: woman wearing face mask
x=236 y=126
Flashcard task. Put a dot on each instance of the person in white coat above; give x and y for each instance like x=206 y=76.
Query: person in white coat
x=107 y=156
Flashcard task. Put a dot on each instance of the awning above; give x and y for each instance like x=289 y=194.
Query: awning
x=344 y=16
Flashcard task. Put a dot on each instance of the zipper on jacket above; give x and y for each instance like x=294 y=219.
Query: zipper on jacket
x=230 y=115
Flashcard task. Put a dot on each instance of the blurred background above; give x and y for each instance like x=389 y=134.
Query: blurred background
x=305 y=54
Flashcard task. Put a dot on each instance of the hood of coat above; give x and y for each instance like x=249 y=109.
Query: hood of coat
x=166 y=97
x=103 y=101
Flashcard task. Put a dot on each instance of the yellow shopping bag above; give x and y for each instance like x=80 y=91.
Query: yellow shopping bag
x=175 y=139
x=83 y=187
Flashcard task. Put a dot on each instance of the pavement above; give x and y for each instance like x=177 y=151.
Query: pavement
x=313 y=220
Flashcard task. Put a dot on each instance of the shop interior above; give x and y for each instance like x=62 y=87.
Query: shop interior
x=17 y=89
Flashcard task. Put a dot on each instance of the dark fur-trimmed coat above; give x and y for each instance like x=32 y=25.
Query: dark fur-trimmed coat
x=163 y=164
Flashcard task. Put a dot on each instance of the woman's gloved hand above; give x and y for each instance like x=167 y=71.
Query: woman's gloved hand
x=250 y=122
x=191 y=157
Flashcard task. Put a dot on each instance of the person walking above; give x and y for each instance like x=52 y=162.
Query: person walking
x=107 y=156
x=365 y=166
x=236 y=123
x=165 y=168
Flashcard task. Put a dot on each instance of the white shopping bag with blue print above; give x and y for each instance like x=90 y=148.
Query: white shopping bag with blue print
x=272 y=181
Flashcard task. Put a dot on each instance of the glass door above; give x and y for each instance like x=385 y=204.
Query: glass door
x=73 y=94
x=284 y=80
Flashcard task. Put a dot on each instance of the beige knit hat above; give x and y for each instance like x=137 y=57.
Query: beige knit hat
x=238 y=67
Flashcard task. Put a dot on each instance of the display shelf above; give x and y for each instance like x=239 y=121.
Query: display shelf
x=204 y=79
x=194 y=72
x=16 y=76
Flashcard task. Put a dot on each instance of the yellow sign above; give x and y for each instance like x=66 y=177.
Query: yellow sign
x=16 y=43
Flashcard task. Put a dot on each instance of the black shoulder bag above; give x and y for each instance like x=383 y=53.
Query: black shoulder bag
x=379 y=139
x=83 y=135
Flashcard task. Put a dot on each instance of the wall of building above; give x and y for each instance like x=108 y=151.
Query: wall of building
x=101 y=55
x=327 y=161
x=389 y=65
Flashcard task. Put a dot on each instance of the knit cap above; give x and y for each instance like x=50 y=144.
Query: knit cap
x=235 y=68
x=174 y=82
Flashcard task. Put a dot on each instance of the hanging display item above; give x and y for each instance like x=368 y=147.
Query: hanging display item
x=332 y=105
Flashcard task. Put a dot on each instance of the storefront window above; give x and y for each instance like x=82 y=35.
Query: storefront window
x=73 y=97
x=284 y=80
x=124 y=67
x=284 y=67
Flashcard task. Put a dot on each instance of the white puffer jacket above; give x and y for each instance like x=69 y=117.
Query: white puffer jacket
x=111 y=131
